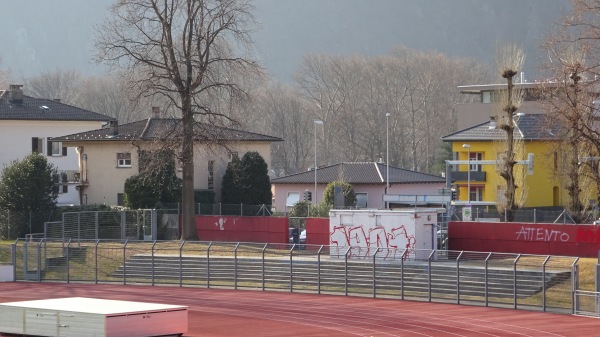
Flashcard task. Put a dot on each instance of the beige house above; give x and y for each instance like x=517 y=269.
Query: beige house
x=27 y=125
x=108 y=156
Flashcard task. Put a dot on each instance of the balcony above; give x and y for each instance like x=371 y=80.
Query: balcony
x=476 y=176
x=68 y=177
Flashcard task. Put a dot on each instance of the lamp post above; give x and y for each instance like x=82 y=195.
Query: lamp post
x=387 y=160
x=316 y=122
x=468 y=147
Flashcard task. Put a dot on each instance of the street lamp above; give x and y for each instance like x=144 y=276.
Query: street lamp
x=316 y=122
x=468 y=147
x=387 y=160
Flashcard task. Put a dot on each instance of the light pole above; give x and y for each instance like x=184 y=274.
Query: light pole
x=387 y=160
x=316 y=122
x=468 y=147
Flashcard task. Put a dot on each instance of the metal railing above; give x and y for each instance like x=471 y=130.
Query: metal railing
x=587 y=303
x=532 y=215
x=488 y=279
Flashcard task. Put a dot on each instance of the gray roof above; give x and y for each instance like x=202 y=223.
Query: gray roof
x=165 y=128
x=527 y=127
x=359 y=173
x=46 y=109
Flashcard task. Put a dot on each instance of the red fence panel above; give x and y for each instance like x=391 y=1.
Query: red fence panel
x=317 y=231
x=242 y=229
x=525 y=238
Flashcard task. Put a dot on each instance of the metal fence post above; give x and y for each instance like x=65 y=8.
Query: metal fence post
x=181 y=263
x=402 y=273
x=39 y=261
x=235 y=264
x=574 y=284
x=124 y=264
x=458 y=277
x=374 y=273
x=515 y=281
x=292 y=268
x=486 y=279
x=153 y=266
x=319 y=270
x=263 y=266
x=429 y=272
x=544 y=283
x=68 y=261
x=208 y=264
x=346 y=271
x=96 y=261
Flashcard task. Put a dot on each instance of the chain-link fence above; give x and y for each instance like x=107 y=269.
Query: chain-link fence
x=233 y=209
x=114 y=225
x=530 y=215
x=517 y=281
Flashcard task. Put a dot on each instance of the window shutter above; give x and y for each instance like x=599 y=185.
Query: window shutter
x=34 y=144
x=64 y=151
x=49 y=147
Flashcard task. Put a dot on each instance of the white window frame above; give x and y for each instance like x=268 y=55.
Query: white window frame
x=292 y=199
x=57 y=149
x=366 y=199
x=124 y=159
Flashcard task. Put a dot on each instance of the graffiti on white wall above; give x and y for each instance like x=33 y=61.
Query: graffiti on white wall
x=541 y=234
x=365 y=241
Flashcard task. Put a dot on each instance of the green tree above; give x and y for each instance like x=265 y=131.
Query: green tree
x=27 y=191
x=246 y=181
x=156 y=184
x=349 y=195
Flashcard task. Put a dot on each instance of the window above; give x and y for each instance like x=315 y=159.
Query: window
x=211 y=174
x=361 y=200
x=124 y=159
x=56 y=149
x=476 y=193
x=37 y=145
x=490 y=96
x=476 y=156
x=233 y=154
x=292 y=198
x=120 y=199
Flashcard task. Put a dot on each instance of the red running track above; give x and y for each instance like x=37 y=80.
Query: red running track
x=220 y=313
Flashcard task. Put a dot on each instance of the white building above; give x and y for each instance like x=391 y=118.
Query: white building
x=26 y=126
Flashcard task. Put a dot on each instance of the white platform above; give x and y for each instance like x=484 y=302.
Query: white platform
x=82 y=317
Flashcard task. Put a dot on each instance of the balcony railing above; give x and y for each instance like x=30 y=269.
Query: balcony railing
x=476 y=176
x=67 y=177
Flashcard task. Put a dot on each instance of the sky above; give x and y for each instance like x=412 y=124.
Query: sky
x=45 y=35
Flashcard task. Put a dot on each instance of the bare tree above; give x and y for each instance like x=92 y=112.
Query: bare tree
x=5 y=78
x=510 y=62
x=179 y=50
x=64 y=85
x=572 y=69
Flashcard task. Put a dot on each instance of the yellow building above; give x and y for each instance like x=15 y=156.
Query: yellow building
x=537 y=186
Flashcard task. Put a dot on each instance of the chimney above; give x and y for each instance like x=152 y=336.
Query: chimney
x=155 y=112
x=15 y=95
x=114 y=125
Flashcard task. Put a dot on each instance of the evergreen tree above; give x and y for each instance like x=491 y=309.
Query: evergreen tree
x=246 y=181
x=27 y=190
x=156 y=184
